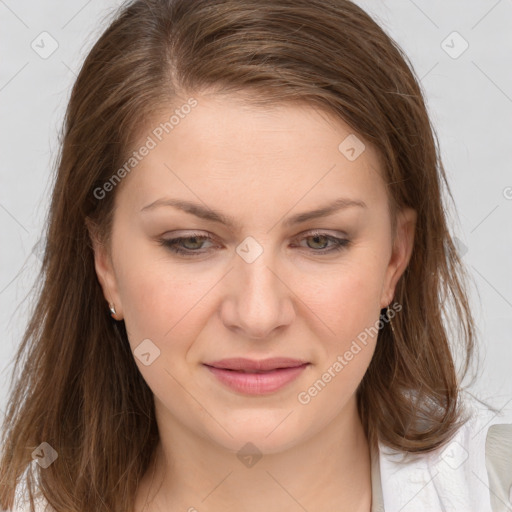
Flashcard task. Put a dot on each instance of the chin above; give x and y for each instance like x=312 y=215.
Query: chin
x=268 y=433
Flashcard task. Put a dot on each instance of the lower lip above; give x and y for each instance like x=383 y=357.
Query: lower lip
x=257 y=383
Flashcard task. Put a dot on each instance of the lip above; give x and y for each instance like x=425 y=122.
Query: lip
x=241 y=363
x=240 y=375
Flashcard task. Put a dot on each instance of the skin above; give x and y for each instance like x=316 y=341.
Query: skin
x=260 y=166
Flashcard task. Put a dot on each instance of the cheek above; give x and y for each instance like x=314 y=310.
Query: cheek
x=347 y=302
x=345 y=297
x=167 y=309
x=158 y=298
x=158 y=304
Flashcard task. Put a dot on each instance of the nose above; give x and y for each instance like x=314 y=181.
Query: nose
x=259 y=300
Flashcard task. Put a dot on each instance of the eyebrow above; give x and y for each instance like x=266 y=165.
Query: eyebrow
x=209 y=214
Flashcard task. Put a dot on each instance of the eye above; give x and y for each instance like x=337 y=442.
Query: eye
x=188 y=245
x=194 y=244
x=319 y=241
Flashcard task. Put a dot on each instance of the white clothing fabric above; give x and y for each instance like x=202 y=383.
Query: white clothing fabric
x=473 y=473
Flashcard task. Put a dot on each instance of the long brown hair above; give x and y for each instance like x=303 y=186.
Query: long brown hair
x=76 y=384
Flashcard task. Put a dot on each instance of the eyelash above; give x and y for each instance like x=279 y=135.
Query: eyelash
x=172 y=243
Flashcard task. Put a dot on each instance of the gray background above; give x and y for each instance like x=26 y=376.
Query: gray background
x=469 y=97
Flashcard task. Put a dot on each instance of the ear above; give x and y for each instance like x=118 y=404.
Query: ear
x=104 y=269
x=400 y=254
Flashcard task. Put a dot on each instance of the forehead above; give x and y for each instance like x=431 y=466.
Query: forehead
x=226 y=144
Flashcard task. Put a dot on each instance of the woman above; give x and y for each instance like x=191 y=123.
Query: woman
x=247 y=277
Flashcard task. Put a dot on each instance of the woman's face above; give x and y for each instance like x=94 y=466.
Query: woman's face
x=276 y=277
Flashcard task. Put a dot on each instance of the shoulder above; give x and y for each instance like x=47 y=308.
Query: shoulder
x=498 y=459
x=473 y=472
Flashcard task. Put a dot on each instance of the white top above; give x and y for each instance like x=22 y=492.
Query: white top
x=473 y=473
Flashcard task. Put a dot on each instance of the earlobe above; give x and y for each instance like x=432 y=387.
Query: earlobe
x=401 y=253
x=104 y=271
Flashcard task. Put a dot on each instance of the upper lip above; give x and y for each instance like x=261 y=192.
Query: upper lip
x=241 y=363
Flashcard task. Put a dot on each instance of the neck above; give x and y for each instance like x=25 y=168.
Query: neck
x=330 y=470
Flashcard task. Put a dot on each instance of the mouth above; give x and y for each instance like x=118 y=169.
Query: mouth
x=251 y=377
